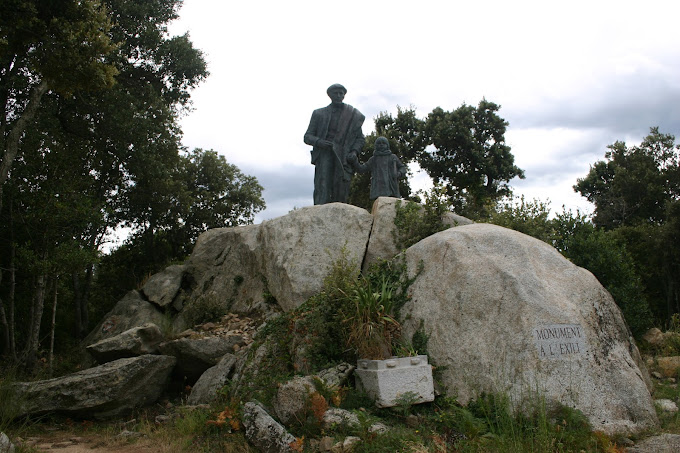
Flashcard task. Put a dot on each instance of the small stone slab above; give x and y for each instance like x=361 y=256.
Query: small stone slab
x=265 y=433
x=131 y=343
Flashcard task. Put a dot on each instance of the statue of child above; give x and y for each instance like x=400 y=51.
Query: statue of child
x=385 y=168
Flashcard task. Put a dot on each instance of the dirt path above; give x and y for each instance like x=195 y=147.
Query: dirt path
x=66 y=442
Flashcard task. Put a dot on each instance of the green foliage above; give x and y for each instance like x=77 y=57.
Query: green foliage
x=528 y=217
x=102 y=151
x=559 y=429
x=420 y=340
x=608 y=259
x=395 y=273
x=10 y=407
x=370 y=321
x=206 y=308
x=405 y=401
x=397 y=440
x=488 y=424
x=415 y=222
x=61 y=43
x=207 y=192
x=636 y=192
x=454 y=418
x=321 y=317
x=634 y=184
x=276 y=363
x=464 y=150
x=470 y=156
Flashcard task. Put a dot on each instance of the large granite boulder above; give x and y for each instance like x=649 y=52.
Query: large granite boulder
x=106 y=391
x=507 y=313
x=226 y=267
x=196 y=355
x=211 y=381
x=131 y=343
x=163 y=287
x=287 y=257
x=300 y=248
x=131 y=311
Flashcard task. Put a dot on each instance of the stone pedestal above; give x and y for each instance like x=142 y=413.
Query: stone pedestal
x=388 y=381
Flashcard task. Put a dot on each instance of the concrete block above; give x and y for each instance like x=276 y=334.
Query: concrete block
x=387 y=380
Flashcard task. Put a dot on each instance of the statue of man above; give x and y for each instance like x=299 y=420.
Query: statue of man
x=335 y=133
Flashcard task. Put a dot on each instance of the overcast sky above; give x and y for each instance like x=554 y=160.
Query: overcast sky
x=571 y=78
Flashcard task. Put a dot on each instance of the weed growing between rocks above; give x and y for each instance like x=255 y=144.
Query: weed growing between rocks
x=204 y=309
x=414 y=221
x=667 y=389
x=9 y=407
x=486 y=425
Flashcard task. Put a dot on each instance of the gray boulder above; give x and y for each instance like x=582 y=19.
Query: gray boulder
x=507 y=313
x=336 y=376
x=131 y=343
x=195 y=356
x=300 y=248
x=381 y=244
x=6 y=446
x=292 y=399
x=106 y=391
x=668 y=366
x=663 y=443
x=654 y=337
x=335 y=416
x=453 y=220
x=226 y=267
x=287 y=257
x=131 y=311
x=666 y=405
x=213 y=379
x=265 y=433
x=162 y=288
x=251 y=365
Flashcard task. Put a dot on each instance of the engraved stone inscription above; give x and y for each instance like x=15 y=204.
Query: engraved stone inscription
x=559 y=341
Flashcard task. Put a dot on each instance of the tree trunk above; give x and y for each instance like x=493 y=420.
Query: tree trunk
x=15 y=134
x=54 y=323
x=77 y=301
x=30 y=354
x=81 y=298
x=12 y=286
x=5 y=326
x=84 y=315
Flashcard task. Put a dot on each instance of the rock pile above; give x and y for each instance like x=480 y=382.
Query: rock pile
x=503 y=312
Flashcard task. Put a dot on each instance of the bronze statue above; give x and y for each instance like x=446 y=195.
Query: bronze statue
x=385 y=168
x=335 y=134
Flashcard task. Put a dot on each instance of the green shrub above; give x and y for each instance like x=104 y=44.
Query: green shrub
x=204 y=309
x=415 y=222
